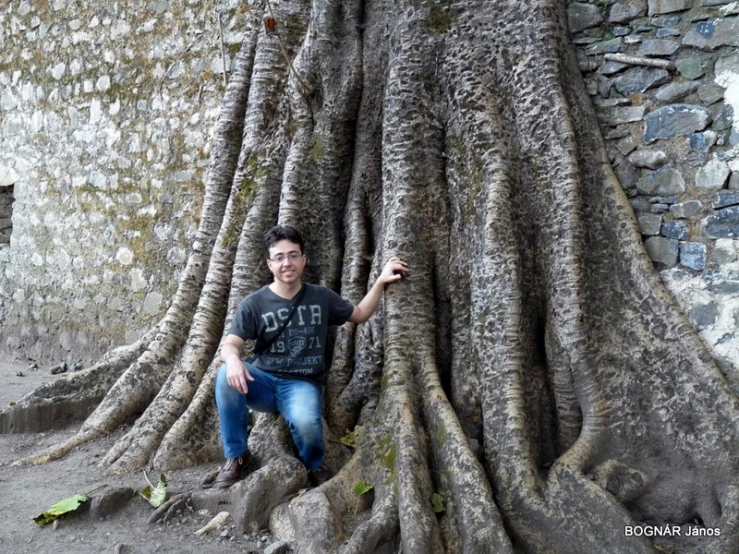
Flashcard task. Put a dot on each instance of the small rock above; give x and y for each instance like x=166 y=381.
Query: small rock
x=657 y=7
x=61 y=368
x=713 y=175
x=650 y=224
x=583 y=16
x=651 y=159
x=662 y=250
x=55 y=525
x=279 y=547
x=666 y=20
x=606 y=47
x=663 y=199
x=659 y=47
x=702 y=142
x=693 y=255
x=110 y=501
x=662 y=33
x=675 y=120
x=675 y=230
x=726 y=198
x=620 y=31
x=627 y=114
x=691 y=208
x=664 y=181
x=659 y=208
x=627 y=145
x=734 y=181
x=627 y=175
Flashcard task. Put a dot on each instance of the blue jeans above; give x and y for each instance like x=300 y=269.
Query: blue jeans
x=298 y=401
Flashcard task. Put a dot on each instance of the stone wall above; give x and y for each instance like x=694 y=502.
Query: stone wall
x=664 y=78
x=105 y=112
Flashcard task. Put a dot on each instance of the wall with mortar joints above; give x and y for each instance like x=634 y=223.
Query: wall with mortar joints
x=670 y=117
x=105 y=115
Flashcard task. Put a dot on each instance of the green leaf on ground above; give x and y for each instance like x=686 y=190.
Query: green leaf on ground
x=11 y=403
x=361 y=487
x=60 y=508
x=155 y=495
x=438 y=502
x=351 y=439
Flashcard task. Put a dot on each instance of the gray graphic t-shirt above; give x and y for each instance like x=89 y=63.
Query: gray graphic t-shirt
x=299 y=353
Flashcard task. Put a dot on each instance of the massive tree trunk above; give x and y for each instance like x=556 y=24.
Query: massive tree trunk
x=532 y=376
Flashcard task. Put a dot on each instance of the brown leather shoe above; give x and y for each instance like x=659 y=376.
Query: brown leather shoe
x=319 y=476
x=233 y=471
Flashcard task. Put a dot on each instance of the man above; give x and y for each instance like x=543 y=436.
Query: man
x=288 y=376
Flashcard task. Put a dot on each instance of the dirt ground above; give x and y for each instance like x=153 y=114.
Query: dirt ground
x=26 y=492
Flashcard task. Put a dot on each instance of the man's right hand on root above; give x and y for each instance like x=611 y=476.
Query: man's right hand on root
x=237 y=375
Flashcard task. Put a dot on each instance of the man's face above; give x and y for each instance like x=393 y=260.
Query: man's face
x=286 y=261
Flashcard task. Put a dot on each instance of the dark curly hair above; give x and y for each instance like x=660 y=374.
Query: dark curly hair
x=282 y=232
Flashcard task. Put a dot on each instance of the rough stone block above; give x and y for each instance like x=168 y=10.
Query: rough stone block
x=583 y=16
x=606 y=47
x=624 y=11
x=640 y=79
x=676 y=91
x=702 y=142
x=722 y=224
x=693 y=255
x=627 y=114
x=650 y=224
x=675 y=230
x=675 y=120
x=651 y=159
x=662 y=250
x=691 y=67
x=726 y=198
x=710 y=93
x=664 y=181
x=734 y=181
x=712 y=34
x=657 y=7
x=703 y=315
x=627 y=175
x=659 y=47
x=713 y=175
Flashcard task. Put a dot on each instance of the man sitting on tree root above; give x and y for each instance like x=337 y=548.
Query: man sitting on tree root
x=290 y=321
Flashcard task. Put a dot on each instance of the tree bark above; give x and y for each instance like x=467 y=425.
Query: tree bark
x=530 y=387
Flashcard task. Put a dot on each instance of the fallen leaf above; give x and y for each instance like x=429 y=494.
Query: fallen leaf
x=438 y=502
x=60 y=508
x=155 y=495
x=361 y=488
x=351 y=439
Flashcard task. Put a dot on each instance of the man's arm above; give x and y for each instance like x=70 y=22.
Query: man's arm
x=394 y=270
x=236 y=373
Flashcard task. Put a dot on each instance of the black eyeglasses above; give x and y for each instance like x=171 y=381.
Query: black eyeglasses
x=280 y=258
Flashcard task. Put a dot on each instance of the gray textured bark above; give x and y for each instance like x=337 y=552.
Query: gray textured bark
x=533 y=372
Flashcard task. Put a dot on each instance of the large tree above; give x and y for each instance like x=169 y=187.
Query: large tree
x=532 y=376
